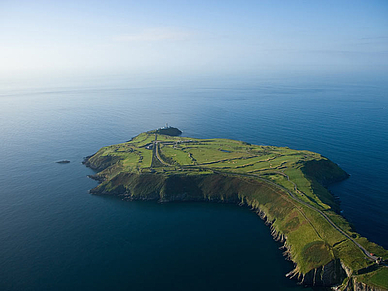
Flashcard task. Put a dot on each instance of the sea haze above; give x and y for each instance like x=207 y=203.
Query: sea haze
x=55 y=236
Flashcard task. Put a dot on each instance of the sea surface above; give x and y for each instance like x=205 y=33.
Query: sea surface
x=56 y=236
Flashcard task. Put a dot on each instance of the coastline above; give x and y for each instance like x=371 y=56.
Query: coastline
x=276 y=207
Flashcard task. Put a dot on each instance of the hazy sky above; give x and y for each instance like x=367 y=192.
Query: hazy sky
x=192 y=36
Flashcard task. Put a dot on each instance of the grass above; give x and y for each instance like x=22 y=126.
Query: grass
x=234 y=171
x=316 y=253
x=178 y=156
x=378 y=278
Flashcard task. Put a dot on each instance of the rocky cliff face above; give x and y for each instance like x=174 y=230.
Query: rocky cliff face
x=328 y=275
x=260 y=196
x=354 y=285
x=216 y=188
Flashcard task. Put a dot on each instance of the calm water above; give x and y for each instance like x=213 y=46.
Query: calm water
x=55 y=236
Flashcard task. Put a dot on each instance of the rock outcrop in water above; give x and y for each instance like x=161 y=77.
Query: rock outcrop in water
x=63 y=162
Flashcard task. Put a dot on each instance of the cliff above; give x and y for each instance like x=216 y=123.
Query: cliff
x=224 y=189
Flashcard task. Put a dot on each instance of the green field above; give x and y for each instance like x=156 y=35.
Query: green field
x=285 y=184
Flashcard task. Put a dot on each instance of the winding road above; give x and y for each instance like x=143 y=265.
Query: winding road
x=372 y=257
x=366 y=253
x=155 y=151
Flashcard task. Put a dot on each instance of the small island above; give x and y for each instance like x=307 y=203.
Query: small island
x=286 y=187
x=63 y=162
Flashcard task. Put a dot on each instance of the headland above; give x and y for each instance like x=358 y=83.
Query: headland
x=286 y=187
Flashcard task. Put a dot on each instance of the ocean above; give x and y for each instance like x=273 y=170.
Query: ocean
x=56 y=236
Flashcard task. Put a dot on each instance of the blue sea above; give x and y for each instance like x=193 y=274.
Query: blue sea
x=56 y=236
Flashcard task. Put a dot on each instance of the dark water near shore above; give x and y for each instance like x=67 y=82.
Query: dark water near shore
x=55 y=236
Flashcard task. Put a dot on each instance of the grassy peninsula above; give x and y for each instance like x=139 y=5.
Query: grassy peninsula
x=285 y=187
